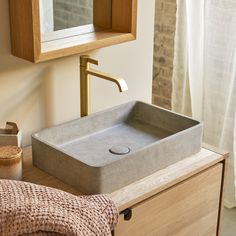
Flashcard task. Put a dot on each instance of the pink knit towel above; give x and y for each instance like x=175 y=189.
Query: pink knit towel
x=29 y=209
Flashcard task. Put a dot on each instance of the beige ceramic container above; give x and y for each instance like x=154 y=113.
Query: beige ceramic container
x=10 y=162
x=11 y=135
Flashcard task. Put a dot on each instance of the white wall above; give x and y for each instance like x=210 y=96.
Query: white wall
x=41 y=95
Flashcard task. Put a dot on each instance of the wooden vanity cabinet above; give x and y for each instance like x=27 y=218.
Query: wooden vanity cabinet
x=184 y=199
x=188 y=208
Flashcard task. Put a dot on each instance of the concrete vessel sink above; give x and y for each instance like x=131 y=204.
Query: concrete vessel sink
x=113 y=148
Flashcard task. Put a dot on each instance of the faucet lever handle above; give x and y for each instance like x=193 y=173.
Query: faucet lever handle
x=85 y=59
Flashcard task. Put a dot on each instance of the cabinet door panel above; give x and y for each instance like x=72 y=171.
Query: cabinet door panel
x=188 y=208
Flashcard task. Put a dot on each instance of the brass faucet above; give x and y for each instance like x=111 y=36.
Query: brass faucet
x=85 y=71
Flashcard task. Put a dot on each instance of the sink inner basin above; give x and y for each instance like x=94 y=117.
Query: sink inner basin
x=94 y=149
x=110 y=149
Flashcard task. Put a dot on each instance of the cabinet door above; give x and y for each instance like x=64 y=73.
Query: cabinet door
x=187 y=209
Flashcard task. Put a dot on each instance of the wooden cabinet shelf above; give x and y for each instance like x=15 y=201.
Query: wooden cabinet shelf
x=117 y=18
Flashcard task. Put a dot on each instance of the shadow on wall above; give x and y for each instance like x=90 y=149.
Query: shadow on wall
x=24 y=96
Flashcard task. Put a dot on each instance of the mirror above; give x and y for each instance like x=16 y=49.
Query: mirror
x=43 y=30
x=57 y=15
x=72 y=13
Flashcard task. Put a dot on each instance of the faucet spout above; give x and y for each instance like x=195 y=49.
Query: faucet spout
x=122 y=85
x=85 y=71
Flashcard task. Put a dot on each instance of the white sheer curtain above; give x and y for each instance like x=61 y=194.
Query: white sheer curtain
x=204 y=78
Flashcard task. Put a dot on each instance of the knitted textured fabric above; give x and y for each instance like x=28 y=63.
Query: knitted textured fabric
x=29 y=209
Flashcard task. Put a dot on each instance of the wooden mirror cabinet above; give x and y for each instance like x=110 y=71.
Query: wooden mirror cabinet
x=117 y=18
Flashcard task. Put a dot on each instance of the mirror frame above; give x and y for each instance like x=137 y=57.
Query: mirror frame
x=26 y=37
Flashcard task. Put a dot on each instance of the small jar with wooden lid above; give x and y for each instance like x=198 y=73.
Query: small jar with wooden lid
x=10 y=162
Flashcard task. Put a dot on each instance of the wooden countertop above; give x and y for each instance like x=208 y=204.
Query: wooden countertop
x=139 y=190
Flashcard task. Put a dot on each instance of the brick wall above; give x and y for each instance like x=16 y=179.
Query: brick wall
x=72 y=13
x=164 y=52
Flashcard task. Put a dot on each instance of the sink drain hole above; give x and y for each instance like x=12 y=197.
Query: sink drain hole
x=119 y=150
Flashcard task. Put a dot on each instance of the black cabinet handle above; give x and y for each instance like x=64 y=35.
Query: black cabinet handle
x=127 y=214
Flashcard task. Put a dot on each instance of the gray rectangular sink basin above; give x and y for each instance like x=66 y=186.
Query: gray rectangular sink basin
x=107 y=150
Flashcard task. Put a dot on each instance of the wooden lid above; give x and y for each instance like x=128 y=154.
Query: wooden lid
x=10 y=152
